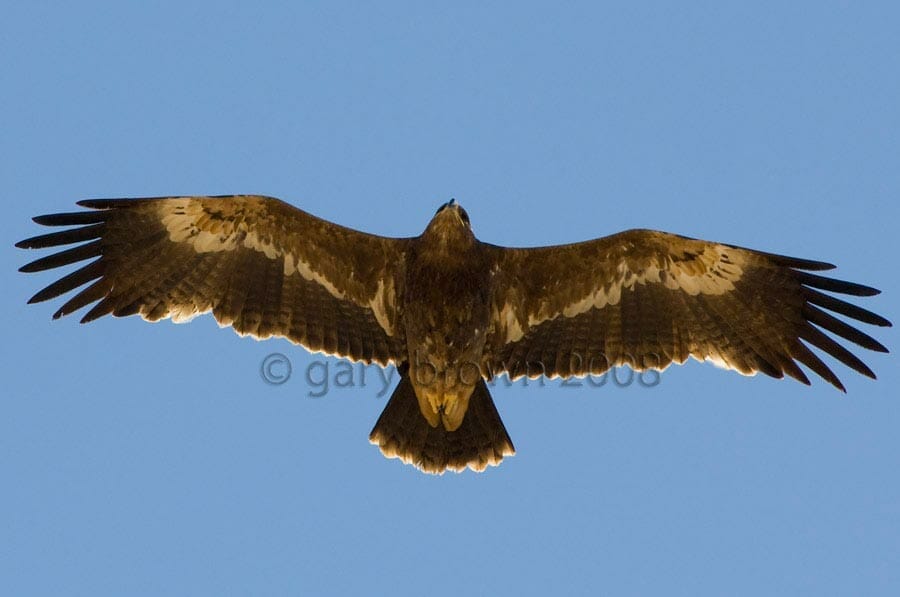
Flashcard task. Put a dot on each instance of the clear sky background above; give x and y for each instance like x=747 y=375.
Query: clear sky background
x=142 y=459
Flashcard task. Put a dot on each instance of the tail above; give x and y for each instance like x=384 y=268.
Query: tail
x=402 y=432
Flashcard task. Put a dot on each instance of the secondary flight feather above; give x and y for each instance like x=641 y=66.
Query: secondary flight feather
x=449 y=310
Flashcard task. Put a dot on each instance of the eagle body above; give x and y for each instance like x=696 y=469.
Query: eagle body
x=450 y=311
x=446 y=316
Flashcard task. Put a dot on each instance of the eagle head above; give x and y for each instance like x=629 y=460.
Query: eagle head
x=450 y=223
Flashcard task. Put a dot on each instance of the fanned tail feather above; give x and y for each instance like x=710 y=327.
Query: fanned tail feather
x=402 y=432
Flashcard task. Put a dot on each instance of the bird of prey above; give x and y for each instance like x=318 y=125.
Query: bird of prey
x=449 y=310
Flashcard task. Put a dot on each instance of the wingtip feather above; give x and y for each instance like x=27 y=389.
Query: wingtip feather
x=835 y=285
x=111 y=203
x=95 y=203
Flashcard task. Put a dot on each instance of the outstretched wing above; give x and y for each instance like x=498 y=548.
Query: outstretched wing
x=647 y=299
x=260 y=265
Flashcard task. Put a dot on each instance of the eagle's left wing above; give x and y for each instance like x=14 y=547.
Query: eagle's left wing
x=260 y=265
x=647 y=299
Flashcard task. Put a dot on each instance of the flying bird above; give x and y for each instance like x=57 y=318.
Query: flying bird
x=449 y=311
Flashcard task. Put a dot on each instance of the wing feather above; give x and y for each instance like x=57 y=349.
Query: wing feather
x=64 y=237
x=844 y=308
x=833 y=285
x=69 y=282
x=260 y=265
x=63 y=258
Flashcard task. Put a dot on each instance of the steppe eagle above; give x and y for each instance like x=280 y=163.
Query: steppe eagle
x=449 y=310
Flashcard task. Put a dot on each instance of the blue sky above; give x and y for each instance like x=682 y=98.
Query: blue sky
x=152 y=459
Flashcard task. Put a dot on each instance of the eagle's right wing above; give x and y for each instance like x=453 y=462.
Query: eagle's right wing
x=260 y=265
x=647 y=299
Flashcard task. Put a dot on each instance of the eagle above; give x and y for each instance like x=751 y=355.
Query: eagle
x=448 y=310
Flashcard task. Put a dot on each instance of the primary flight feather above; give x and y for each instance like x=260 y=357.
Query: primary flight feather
x=449 y=310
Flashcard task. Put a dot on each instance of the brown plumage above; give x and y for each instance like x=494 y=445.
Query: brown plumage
x=449 y=310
